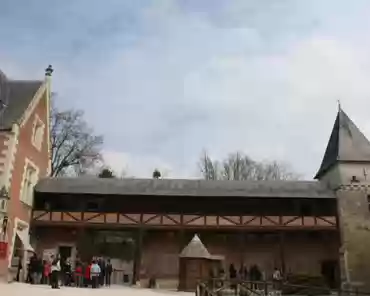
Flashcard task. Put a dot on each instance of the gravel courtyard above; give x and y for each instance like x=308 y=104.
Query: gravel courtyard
x=17 y=289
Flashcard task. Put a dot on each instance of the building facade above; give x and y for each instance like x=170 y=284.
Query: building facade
x=24 y=159
x=307 y=227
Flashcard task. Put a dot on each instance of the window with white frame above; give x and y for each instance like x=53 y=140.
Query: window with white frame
x=2 y=205
x=29 y=181
x=38 y=132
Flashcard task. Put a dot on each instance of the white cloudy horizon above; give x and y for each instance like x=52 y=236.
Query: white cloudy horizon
x=164 y=80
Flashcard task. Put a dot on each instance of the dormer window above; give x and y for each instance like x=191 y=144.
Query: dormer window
x=37 y=133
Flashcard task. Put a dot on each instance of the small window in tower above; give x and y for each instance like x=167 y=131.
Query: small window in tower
x=38 y=132
x=368 y=202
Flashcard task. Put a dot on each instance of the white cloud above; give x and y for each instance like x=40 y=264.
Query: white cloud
x=245 y=75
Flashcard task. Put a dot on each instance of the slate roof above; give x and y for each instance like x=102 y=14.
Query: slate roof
x=195 y=249
x=346 y=143
x=17 y=96
x=176 y=187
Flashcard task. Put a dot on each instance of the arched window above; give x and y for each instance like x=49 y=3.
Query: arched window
x=38 y=133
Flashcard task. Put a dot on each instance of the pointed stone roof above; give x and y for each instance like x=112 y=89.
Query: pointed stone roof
x=346 y=143
x=15 y=97
x=195 y=249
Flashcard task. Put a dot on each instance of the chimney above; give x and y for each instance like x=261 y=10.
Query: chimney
x=49 y=70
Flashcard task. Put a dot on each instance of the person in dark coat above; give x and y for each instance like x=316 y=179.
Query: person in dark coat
x=232 y=272
x=232 y=275
x=108 y=273
x=19 y=269
x=101 y=264
x=67 y=272
x=255 y=276
x=32 y=270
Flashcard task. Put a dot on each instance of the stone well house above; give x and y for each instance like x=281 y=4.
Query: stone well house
x=24 y=159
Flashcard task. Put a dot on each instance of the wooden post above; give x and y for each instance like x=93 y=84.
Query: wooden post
x=242 y=247
x=181 y=244
x=137 y=256
x=282 y=251
x=181 y=239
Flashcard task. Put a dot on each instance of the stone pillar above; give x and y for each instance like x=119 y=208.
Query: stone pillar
x=354 y=222
x=137 y=256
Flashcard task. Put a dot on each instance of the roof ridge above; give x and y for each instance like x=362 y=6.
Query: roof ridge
x=25 y=80
x=346 y=143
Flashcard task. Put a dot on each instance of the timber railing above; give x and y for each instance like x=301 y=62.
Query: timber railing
x=222 y=287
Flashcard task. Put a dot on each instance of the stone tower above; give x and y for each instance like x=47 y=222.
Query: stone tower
x=346 y=169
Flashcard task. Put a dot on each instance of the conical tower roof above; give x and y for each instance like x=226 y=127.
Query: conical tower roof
x=195 y=249
x=4 y=90
x=346 y=144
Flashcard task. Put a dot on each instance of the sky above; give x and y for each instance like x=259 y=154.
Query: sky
x=164 y=80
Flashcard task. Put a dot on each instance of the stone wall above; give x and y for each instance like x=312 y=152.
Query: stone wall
x=354 y=218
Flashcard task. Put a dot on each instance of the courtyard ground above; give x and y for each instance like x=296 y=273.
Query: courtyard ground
x=17 y=289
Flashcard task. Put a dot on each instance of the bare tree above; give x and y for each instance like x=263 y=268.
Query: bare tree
x=238 y=166
x=74 y=146
x=208 y=167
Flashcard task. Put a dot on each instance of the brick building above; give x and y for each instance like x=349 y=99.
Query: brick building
x=24 y=159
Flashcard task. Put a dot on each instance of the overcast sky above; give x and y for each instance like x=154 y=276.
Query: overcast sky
x=163 y=80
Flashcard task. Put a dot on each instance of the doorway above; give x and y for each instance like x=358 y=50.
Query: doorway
x=65 y=253
x=329 y=270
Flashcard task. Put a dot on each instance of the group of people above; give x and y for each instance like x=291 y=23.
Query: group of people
x=97 y=273
x=56 y=272
x=253 y=274
x=36 y=270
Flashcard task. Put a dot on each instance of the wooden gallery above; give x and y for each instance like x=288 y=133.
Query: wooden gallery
x=289 y=225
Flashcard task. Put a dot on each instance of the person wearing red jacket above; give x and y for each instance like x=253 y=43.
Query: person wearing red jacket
x=46 y=272
x=87 y=275
x=79 y=275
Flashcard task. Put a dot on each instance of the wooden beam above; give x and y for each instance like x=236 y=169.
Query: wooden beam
x=161 y=220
